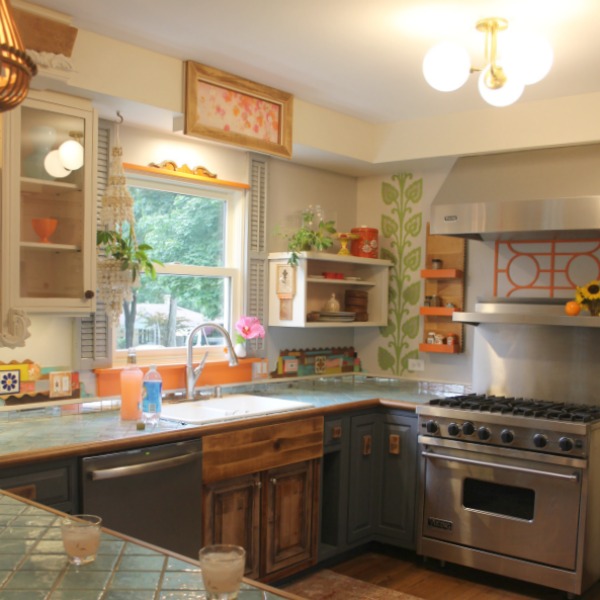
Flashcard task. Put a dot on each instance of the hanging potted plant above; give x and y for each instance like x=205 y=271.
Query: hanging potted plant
x=121 y=262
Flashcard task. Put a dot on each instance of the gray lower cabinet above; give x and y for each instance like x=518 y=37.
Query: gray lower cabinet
x=53 y=484
x=369 y=480
x=365 y=476
x=398 y=488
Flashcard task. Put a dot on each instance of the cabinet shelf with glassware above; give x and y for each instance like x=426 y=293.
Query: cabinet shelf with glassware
x=298 y=295
x=51 y=142
x=444 y=286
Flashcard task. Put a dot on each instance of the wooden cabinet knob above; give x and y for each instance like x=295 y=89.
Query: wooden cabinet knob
x=367 y=443
x=89 y=294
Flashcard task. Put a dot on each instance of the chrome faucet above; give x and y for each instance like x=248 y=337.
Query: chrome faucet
x=191 y=374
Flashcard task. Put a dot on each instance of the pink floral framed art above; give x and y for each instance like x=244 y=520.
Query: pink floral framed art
x=226 y=108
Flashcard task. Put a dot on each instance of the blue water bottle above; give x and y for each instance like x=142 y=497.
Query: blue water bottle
x=152 y=396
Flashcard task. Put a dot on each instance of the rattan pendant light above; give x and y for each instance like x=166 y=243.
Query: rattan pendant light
x=16 y=68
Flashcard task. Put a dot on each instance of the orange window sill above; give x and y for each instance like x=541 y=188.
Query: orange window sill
x=108 y=381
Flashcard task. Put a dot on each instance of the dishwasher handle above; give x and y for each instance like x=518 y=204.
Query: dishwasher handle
x=143 y=468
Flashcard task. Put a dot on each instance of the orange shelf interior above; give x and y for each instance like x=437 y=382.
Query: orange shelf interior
x=440 y=348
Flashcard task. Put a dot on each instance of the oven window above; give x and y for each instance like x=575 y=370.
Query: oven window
x=500 y=499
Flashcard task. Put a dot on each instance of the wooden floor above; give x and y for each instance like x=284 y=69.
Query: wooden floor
x=405 y=572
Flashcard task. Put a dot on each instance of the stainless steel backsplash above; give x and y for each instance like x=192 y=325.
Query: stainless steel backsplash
x=560 y=364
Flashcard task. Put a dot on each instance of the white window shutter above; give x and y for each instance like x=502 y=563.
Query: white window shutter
x=256 y=288
x=93 y=334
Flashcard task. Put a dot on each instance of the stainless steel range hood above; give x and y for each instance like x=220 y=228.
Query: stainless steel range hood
x=536 y=194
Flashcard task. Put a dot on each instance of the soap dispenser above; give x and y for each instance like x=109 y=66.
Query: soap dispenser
x=332 y=305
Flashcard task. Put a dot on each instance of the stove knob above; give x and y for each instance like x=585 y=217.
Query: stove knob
x=468 y=428
x=565 y=444
x=507 y=436
x=431 y=427
x=483 y=433
x=539 y=440
x=453 y=429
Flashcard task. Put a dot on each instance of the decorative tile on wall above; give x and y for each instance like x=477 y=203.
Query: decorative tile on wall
x=10 y=381
x=322 y=361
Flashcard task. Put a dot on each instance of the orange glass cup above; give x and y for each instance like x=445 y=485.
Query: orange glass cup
x=44 y=228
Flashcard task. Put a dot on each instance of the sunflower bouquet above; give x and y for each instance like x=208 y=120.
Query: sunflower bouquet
x=588 y=296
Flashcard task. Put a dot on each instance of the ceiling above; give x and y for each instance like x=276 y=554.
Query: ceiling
x=356 y=57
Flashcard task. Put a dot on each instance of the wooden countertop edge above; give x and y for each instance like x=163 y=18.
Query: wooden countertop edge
x=190 y=432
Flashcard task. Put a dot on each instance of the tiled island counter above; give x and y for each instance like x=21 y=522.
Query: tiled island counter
x=34 y=566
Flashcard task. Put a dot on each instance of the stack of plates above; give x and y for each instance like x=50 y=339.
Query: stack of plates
x=339 y=317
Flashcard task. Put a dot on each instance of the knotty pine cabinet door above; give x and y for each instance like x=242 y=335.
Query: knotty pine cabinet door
x=290 y=510
x=231 y=515
x=271 y=514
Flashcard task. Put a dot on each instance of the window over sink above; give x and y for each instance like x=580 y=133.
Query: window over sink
x=196 y=232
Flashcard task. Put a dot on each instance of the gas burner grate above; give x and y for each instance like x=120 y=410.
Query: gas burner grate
x=541 y=409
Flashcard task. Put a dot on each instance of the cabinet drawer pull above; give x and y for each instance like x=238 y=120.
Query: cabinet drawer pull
x=258 y=484
x=336 y=432
x=366 y=445
x=394 y=444
x=273 y=480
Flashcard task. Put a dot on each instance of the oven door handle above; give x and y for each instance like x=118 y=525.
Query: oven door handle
x=482 y=463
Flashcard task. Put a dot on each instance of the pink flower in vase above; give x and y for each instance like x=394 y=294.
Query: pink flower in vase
x=248 y=328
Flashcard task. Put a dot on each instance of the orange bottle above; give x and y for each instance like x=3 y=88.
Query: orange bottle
x=131 y=390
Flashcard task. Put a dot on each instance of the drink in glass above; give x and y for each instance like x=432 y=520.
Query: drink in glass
x=81 y=538
x=222 y=570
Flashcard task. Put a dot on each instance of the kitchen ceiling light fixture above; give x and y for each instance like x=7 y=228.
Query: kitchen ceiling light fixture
x=16 y=68
x=503 y=78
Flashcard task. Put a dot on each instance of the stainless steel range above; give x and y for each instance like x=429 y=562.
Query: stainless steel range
x=512 y=486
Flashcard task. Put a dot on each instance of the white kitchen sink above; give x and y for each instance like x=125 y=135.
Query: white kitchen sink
x=227 y=408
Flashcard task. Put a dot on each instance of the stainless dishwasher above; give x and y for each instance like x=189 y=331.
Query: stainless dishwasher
x=152 y=493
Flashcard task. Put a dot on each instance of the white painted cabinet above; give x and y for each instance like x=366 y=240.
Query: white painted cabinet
x=298 y=295
x=51 y=272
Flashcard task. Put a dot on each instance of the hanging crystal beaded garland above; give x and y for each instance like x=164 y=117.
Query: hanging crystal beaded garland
x=115 y=284
x=117 y=202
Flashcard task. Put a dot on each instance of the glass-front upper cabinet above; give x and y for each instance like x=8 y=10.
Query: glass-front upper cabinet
x=52 y=141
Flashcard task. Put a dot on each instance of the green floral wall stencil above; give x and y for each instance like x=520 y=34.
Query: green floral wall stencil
x=401 y=227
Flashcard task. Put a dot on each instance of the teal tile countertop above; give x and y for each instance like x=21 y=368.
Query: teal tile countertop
x=33 y=565
x=50 y=428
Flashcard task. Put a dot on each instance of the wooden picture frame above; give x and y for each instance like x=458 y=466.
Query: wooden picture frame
x=225 y=108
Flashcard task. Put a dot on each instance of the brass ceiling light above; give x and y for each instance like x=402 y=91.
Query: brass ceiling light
x=16 y=68
x=503 y=78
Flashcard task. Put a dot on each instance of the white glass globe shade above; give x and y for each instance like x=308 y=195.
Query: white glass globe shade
x=71 y=155
x=509 y=93
x=446 y=66
x=529 y=57
x=53 y=165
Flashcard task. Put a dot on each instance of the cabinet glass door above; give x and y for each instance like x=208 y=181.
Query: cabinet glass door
x=54 y=216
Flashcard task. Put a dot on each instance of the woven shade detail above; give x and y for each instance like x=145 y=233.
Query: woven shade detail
x=16 y=68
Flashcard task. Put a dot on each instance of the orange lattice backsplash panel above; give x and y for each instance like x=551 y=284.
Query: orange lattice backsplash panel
x=544 y=269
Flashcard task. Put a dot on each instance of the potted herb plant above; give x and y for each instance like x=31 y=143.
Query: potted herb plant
x=310 y=238
x=121 y=262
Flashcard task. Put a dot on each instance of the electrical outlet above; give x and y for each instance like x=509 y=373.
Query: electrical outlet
x=60 y=384
x=416 y=364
